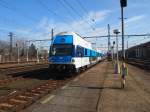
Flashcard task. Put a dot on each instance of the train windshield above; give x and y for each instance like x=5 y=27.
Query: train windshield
x=61 y=50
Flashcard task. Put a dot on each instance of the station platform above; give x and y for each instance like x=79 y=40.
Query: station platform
x=99 y=90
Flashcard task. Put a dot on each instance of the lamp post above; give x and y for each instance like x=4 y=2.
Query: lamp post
x=116 y=31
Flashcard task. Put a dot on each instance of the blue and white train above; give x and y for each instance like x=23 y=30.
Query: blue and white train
x=70 y=52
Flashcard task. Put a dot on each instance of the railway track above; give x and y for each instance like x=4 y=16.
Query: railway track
x=145 y=64
x=23 y=68
x=21 y=62
x=12 y=74
x=18 y=100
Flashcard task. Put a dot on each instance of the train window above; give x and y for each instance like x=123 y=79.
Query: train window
x=80 y=51
x=61 y=50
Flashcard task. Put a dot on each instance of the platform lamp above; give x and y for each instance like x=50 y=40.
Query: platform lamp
x=117 y=70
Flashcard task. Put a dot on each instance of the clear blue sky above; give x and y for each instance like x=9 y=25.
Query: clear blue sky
x=33 y=19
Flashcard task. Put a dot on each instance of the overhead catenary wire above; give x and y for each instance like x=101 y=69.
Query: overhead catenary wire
x=84 y=9
x=76 y=12
x=51 y=11
x=67 y=9
x=82 y=6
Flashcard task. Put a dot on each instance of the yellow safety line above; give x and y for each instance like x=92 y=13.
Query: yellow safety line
x=64 y=87
x=48 y=99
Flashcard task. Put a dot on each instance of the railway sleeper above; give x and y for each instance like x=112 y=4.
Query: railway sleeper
x=6 y=105
x=18 y=100
x=33 y=95
x=24 y=97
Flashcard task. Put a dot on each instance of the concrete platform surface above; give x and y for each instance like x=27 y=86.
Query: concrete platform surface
x=98 y=90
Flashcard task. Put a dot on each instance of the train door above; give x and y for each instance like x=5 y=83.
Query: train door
x=80 y=56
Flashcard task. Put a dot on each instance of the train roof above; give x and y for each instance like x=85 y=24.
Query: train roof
x=68 y=33
x=77 y=35
x=143 y=44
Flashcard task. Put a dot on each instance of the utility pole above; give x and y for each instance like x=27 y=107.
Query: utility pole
x=123 y=3
x=52 y=34
x=127 y=48
x=27 y=48
x=108 y=38
x=10 y=47
x=18 y=53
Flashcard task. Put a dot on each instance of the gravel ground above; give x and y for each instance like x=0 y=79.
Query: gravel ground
x=27 y=81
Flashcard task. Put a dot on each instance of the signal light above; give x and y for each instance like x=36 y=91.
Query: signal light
x=123 y=3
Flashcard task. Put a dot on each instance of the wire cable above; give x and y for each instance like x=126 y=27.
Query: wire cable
x=67 y=9
x=84 y=9
x=51 y=11
x=76 y=12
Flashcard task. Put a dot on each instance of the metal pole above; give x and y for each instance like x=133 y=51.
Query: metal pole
x=52 y=34
x=117 y=62
x=112 y=53
x=18 y=53
x=37 y=56
x=27 y=51
x=27 y=55
x=113 y=50
x=108 y=38
x=122 y=22
x=117 y=47
x=127 y=49
x=10 y=49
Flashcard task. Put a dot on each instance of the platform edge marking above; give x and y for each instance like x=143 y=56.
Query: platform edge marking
x=64 y=87
x=47 y=99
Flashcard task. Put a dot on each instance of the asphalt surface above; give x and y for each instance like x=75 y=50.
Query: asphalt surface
x=99 y=90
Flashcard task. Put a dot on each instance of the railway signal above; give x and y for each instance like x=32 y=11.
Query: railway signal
x=123 y=3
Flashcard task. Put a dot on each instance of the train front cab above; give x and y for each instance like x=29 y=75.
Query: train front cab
x=60 y=54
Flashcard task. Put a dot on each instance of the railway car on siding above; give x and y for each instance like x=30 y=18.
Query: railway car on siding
x=141 y=51
x=70 y=52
